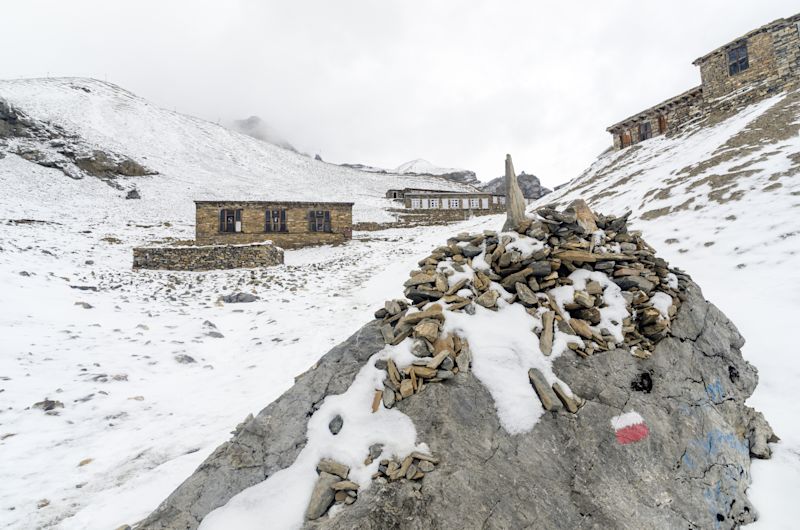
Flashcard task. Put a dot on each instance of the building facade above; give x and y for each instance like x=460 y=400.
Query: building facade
x=453 y=201
x=287 y=224
x=751 y=67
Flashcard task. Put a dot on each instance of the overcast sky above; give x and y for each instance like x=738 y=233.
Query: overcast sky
x=459 y=83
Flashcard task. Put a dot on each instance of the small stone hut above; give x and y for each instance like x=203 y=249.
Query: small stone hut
x=288 y=224
x=751 y=67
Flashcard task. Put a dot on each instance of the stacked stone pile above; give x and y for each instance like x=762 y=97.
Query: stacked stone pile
x=563 y=242
x=333 y=487
x=485 y=268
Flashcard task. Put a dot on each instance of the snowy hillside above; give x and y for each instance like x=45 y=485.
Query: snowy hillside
x=423 y=167
x=139 y=375
x=722 y=201
x=194 y=159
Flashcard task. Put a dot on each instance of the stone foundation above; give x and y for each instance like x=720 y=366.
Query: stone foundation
x=204 y=258
x=407 y=218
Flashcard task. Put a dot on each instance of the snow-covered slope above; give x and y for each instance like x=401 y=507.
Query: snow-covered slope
x=423 y=167
x=722 y=201
x=151 y=369
x=196 y=159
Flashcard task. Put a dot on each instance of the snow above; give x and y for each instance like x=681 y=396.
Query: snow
x=282 y=498
x=743 y=252
x=114 y=365
x=615 y=310
x=661 y=302
x=423 y=167
x=503 y=348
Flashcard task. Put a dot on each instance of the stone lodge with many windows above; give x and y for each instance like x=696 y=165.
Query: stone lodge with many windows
x=287 y=224
x=421 y=199
x=751 y=67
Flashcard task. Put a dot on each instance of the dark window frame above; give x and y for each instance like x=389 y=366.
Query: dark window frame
x=275 y=221
x=319 y=221
x=738 y=59
x=228 y=217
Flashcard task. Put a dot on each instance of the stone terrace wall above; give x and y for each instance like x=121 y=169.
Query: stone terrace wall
x=717 y=82
x=204 y=258
x=409 y=218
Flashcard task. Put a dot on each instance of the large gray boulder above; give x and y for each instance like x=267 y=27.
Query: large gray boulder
x=570 y=471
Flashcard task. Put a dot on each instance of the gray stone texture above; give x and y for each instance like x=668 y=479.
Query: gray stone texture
x=515 y=202
x=204 y=258
x=568 y=472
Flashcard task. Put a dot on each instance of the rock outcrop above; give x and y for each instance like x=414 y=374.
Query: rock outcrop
x=529 y=184
x=49 y=145
x=642 y=420
x=515 y=202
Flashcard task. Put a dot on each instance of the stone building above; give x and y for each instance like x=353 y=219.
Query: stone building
x=751 y=67
x=247 y=234
x=442 y=200
x=287 y=224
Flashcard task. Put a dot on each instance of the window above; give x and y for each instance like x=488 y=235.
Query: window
x=434 y=203
x=474 y=203
x=645 y=131
x=415 y=203
x=276 y=221
x=230 y=220
x=455 y=203
x=319 y=221
x=737 y=59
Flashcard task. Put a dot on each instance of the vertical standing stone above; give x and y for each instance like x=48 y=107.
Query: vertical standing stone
x=515 y=202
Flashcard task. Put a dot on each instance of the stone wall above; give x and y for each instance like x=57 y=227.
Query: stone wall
x=717 y=81
x=203 y=258
x=774 y=65
x=408 y=218
x=254 y=223
x=666 y=118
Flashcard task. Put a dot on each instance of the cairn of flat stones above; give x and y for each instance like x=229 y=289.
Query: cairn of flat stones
x=334 y=488
x=572 y=239
x=568 y=240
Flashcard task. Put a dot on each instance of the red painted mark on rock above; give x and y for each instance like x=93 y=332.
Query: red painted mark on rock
x=629 y=428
